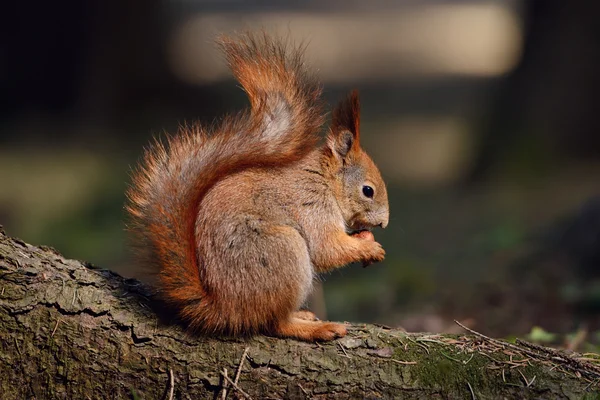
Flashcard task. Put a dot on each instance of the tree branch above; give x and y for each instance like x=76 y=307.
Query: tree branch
x=68 y=330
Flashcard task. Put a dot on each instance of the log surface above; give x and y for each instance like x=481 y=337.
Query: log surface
x=72 y=331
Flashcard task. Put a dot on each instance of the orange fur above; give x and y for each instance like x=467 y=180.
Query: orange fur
x=230 y=220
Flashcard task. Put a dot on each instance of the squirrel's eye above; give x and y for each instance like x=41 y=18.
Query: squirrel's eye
x=368 y=191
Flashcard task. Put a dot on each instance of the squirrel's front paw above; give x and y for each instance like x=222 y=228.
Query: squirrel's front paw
x=376 y=253
x=364 y=235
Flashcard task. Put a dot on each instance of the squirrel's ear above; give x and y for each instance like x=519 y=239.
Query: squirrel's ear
x=345 y=135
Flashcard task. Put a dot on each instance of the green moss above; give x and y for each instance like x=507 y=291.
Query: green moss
x=591 y=396
x=445 y=368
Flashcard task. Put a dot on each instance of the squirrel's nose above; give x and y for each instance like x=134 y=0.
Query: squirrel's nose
x=385 y=220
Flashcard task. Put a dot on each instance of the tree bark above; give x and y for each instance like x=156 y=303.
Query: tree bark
x=71 y=331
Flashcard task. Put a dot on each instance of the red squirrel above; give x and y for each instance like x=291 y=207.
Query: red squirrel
x=236 y=220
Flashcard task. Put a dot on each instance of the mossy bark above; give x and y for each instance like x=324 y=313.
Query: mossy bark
x=69 y=331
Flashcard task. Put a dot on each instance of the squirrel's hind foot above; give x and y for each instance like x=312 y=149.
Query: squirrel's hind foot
x=310 y=331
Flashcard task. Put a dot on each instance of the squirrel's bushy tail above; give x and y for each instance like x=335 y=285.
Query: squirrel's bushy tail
x=168 y=186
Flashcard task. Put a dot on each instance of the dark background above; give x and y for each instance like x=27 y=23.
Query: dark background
x=482 y=116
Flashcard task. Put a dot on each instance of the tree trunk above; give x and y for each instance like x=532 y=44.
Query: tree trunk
x=71 y=331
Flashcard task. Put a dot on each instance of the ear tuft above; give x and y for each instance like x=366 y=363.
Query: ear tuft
x=346 y=116
x=345 y=126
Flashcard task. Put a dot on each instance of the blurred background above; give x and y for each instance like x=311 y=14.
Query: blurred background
x=482 y=116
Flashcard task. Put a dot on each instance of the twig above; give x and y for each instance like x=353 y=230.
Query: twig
x=18 y=348
x=472 y=392
x=236 y=387
x=540 y=352
x=239 y=370
x=403 y=362
x=55 y=326
x=541 y=349
x=450 y=358
x=512 y=364
x=594 y=355
x=171 y=384
x=303 y=390
x=528 y=383
x=588 y=359
x=481 y=335
x=565 y=360
x=343 y=350
x=430 y=341
x=224 y=390
x=464 y=362
x=597 y=381
x=418 y=344
x=402 y=343
x=553 y=354
x=499 y=342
